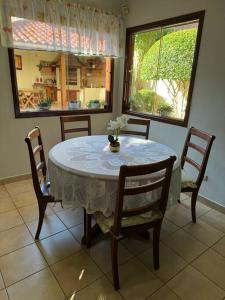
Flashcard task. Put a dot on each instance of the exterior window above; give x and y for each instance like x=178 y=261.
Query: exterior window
x=161 y=61
x=55 y=82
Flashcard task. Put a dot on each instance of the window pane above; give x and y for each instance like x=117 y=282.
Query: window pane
x=59 y=81
x=160 y=70
x=142 y=89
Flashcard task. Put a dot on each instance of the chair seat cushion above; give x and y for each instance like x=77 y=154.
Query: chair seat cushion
x=106 y=223
x=187 y=180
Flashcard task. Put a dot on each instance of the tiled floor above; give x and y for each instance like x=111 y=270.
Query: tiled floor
x=58 y=267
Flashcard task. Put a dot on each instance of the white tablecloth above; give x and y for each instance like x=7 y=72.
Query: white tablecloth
x=83 y=172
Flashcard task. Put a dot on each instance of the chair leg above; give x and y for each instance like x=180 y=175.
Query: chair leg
x=156 y=236
x=178 y=201
x=193 y=205
x=114 y=257
x=83 y=240
x=42 y=208
x=88 y=230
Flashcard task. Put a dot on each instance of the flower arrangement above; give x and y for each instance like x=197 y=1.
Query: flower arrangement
x=115 y=127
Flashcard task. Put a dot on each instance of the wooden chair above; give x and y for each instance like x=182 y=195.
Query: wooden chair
x=74 y=119
x=39 y=169
x=130 y=221
x=190 y=184
x=141 y=122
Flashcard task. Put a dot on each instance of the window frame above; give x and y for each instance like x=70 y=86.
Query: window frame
x=31 y=114
x=129 y=57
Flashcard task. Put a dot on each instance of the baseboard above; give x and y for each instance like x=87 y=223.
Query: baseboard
x=211 y=203
x=14 y=178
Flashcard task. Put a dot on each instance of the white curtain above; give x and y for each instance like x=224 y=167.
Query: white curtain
x=56 y=25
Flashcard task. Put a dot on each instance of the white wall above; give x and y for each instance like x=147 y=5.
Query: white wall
x=208 y=102
x=13 y=151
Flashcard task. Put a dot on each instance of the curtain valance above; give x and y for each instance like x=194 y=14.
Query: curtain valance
x=56 y=25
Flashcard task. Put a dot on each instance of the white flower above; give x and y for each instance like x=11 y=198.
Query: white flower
x=113 y=125
x=119 y=123
x=122 y=121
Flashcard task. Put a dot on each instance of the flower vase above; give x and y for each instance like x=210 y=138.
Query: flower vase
x=114 y=147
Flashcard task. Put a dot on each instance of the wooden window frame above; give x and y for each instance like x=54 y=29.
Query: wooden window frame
x=129 y=57
x=31 y=114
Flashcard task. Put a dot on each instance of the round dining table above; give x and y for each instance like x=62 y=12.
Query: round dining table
x=84 y=172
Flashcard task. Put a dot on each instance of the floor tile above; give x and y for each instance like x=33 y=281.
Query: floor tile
x=51 y=225
x=191 y=284
x=185 y=245
x=30 y=213
x=58 y=246
x=42 y=286
x=56 y=207
x=14 y=239
x=3 y=192
x=136 y=245
x=163 y=294
x=167 y=228
x=25 y=198
x=6 y=204
x=71 y=217
x=99 y=290
x=2 y=286
x=179 y=215
x=76 y=272
x=21 y=263
x=17 y=187
x=78 y=232
x=3 y=295
x=215 y=219
x=201 y=208
x=220 y=246
x=184 y=196
x=212 y=265
x=101 y=254
x=205 y=233
x=136 y=281
x=170 y=262
x=10 y=219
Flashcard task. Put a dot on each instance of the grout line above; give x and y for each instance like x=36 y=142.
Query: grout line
x=34 y=241
x=44 y=268
x=133 y=256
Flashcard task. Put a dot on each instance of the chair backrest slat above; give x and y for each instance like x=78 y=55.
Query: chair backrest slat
x=36 y=167
x=75 y=130
x=192 y=162
x=159 y=177
x=144 y=188
x=74 y=119
x=37 y=149
x=204 y=151
x=141 y=122
x=140 y=210
x=197 y=148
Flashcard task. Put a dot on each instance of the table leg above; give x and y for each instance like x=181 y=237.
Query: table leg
x=95 y=232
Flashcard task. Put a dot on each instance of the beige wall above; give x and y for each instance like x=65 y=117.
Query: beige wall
x=13 y=151
x=208 y=103
x=30 y=60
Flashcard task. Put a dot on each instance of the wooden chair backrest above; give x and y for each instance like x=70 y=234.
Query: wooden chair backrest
x=40 y=166
x=133 y=171
x=140 y=122
x=203 y=150
x=74 y=119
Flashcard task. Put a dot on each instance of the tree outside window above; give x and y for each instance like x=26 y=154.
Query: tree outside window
x=160 y=68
